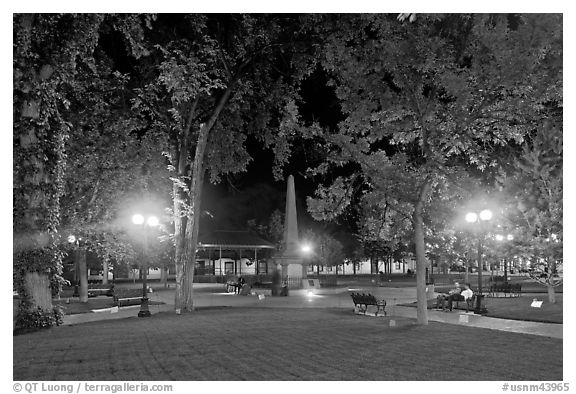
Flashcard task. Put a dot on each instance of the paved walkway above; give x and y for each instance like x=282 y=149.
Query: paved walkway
x=329 y=298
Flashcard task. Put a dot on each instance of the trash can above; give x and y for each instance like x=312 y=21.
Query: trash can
x=480 y=304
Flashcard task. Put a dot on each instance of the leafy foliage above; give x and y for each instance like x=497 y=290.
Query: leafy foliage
x=64 y=90
x=427 y=100
x=45 y=58
x=208 y=83
x=534 y=183
x=326 y=250
x=272 y=230
x=35 y=318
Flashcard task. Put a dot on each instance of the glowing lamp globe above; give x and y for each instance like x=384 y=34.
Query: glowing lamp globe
x=486 y=215
x=138 y=219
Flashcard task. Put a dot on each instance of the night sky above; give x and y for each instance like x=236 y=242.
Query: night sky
x=256 y=194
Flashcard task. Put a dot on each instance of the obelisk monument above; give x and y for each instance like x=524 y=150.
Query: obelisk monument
x=290 y=259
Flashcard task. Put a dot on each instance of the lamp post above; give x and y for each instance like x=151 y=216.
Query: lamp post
x=80 y=269
x=479 y=218
x=306 y=250
x=146 y=224
x=76 y=242
x=501 y=238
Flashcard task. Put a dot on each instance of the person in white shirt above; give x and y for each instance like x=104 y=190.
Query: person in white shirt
x=444 y=298
x=463 y=295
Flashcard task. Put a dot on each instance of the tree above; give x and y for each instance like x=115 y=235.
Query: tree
x=272 y=230
x=46 y=52
x=427 y=99
x=209 y=82
x=54 y=60
x=384 y=232
x=534 y=184
x=325 y=249
x=108 y=160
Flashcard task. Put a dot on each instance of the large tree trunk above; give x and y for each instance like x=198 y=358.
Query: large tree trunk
x=179 y=240
x=551 y=294
x=164 y=276
x=37 y=192
x=187 y=237
x=418 y=225
x=38 y=287
x=550 y=280
x=80 y=256
x=186 y=233
x=105 y=270
x=193 y=225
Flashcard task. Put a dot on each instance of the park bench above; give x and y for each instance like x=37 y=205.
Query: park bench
x=98 y=289
x=470 y=302
x=262 y=285
x=231 y=286
x=363 y=301
x=506 y=289
x=123 y=297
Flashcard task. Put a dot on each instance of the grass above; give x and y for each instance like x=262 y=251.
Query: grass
x=281 y=344
x=74 y=306
x=518 y=308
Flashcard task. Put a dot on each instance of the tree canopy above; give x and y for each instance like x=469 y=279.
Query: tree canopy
x=403 y=119
x=427 y=102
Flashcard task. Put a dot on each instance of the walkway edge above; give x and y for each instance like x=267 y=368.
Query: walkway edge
x=551 y=330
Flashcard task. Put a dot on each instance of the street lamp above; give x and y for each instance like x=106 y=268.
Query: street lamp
x=501 y=238
x=76 y=242
x=479 y=218
x=306 y=250
x=146 y=224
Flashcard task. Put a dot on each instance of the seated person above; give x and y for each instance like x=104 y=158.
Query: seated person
x=443 y=298
x=463 y=295
x=239 y=284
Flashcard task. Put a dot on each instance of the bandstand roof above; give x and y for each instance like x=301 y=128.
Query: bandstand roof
x=228 y=239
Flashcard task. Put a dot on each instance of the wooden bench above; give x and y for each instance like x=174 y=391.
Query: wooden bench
x=262 y=285
x=231 y=286
x=363 y=301
x=123 y=297
x=469 y=303
x=98 y=289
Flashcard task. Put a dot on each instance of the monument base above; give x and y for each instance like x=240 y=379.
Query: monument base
x=296 y=271
x=293 y=273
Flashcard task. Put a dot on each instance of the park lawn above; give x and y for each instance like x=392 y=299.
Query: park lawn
x=281 y=344
x=518 y=308
x=73 y=306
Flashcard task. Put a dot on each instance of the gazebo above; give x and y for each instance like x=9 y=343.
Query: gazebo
x=226 y=252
